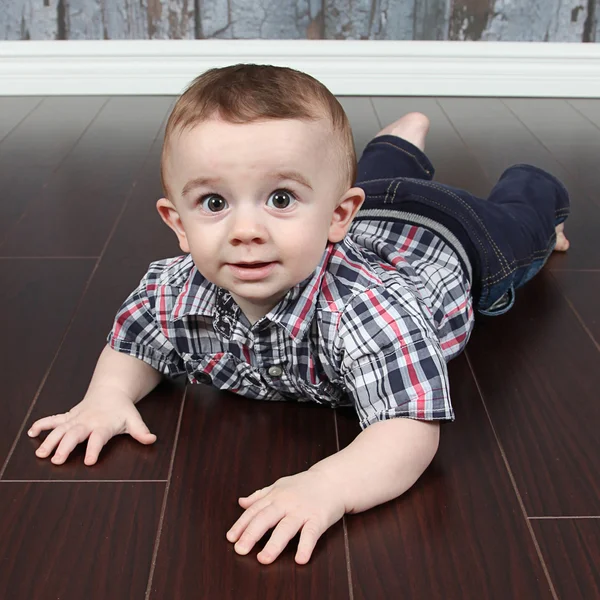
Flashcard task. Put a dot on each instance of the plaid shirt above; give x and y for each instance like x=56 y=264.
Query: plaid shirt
x=373 y=327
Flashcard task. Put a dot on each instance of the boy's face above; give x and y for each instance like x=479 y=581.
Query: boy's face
x=256 y=203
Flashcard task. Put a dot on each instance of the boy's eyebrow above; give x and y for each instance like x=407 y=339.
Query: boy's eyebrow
x=210 y=181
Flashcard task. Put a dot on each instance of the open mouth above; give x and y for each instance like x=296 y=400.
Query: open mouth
x=252 y=271
x=252 y=265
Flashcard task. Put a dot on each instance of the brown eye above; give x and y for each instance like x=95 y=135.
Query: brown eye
x=281 y=199
x=213 y=203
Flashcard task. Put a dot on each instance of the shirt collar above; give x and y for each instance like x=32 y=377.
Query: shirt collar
x=293 y=312
x=296 y=309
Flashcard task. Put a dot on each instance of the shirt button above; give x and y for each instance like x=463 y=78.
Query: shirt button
x=204 y=378
x=275 y=371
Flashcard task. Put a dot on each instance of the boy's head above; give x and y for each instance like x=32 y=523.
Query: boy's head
x=257 y=168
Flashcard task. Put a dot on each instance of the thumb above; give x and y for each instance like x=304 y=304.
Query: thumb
x=138 y=431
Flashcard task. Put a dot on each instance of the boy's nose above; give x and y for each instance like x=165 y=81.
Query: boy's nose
x=247 y=227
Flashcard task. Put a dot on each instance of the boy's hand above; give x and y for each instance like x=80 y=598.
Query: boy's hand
x=308 y=501
x=99 y=416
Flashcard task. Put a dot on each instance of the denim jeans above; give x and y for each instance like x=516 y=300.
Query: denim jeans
x=506 y=238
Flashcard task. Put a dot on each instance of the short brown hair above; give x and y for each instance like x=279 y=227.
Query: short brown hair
x=244 y=93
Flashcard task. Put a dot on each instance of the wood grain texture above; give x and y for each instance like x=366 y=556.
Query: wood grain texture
x=13 y=109
x=140 y=238
x=497 y=139
x=76 y=211
x=452 y=160
x=34 y=148
x=459 y=533
x=571 y=549
x=432 y=19
x=261 y=19
x=32 y=330
x=507 y=20
x=369 y=20
x=77 y=540
x=583 y=290
x=538 y=372
x=229 y=447
x=537 y=21
x=30 y=20
x=572 y=137
x=361 y=113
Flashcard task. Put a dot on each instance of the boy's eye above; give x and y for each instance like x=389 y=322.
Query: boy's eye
x=213 y=203
x=281 y=199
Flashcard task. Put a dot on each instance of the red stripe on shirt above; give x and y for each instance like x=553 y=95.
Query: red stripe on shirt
x=412 y=373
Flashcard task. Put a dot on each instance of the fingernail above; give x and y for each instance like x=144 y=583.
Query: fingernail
x=30 y=432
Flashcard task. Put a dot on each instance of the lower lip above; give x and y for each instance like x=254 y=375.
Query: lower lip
x=252 y=273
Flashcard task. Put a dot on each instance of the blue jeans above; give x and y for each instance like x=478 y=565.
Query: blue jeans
x=505 y=239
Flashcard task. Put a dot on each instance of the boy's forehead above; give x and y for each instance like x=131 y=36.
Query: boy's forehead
x=217 y=148
x=279 y=137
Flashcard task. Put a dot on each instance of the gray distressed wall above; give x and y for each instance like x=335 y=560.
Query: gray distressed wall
x=498 y=20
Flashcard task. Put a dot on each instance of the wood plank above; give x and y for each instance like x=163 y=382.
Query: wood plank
x=13 y=109
x=230 y=446
x=453 y=162
x=497 y=139
x=29 y=20
x=459 y=533
x=140 y=238
x=254 y=19
x=78 y=208
x=537 y=21
x=583 y=290
x=432 y=19
x=118 y=20
x=368 y=20
x=363 y=120
x=77 y=540
x=538 y=372
x=34 y=330
x=572 y=138
x=31 y=152
x=571 y=549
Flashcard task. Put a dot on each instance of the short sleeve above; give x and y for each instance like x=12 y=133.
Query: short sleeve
x=392 y=364
x=138 y=332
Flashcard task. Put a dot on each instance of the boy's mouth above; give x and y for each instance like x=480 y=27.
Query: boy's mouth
x=251 y=271
x=253 y=265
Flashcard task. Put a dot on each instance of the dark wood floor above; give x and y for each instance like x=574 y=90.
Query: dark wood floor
x=509 y=508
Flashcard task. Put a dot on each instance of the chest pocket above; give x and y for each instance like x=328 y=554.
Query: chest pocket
x=225 y=371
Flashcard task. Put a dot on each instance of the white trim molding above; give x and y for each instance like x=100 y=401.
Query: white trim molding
x=358 y=68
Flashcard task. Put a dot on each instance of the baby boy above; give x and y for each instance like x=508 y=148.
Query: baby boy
x=307 y=276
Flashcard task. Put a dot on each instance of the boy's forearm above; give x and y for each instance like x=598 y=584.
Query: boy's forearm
x=127 y=374
x=382 y=462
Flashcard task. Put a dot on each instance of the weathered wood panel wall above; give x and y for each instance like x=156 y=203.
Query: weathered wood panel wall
x=500 y=20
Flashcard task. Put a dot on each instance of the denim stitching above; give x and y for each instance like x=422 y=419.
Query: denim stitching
x=497 y=250
x=511 y=266
x=413 y=156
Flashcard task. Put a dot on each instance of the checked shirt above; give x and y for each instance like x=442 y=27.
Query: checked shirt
x=373 y=327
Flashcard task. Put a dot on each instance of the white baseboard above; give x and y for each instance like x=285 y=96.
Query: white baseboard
x=362 y=68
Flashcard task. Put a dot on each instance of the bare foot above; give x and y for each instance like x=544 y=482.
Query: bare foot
x=412 y=127
x=562 y=243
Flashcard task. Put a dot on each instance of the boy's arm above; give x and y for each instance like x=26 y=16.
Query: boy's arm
x=383 y=461
x=116 y=371
x=379 y=465
x=119 y=381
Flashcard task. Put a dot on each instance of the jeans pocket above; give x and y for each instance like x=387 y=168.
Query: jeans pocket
x=501 y=305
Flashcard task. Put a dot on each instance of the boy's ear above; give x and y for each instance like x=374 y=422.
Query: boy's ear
x=168 y=213
x=344 y=213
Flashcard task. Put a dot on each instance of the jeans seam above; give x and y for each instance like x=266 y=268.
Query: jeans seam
x=497 y=250
x=405 y=152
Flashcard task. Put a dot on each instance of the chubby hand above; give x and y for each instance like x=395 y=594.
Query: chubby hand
x=309 y=501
